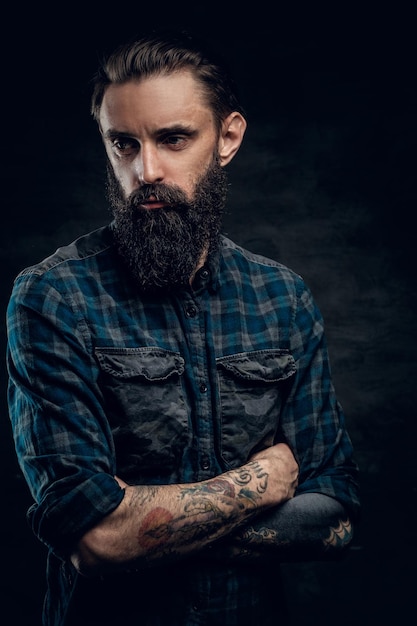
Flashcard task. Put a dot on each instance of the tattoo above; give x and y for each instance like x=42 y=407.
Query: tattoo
x=263 y=535
x=245 y=476
x=154 y=526
x=143 y=495
x=221 y=486
x=340 y=535
x=202 y=516
x=217 y=485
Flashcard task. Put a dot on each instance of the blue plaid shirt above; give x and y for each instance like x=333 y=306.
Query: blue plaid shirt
x=164 y=389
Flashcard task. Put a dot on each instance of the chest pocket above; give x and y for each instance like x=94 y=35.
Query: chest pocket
x=252 y=386
x=146 y=409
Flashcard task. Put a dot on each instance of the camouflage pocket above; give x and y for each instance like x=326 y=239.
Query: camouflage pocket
x=251 y=388
x=147 y=410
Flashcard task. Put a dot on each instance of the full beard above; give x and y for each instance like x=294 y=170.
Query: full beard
x=163 y=247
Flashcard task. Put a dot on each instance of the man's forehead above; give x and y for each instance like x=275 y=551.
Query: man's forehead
x=165 y=100
x=176 y=88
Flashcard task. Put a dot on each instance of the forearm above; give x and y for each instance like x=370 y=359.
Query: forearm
x=310 y=526
x=170 y=521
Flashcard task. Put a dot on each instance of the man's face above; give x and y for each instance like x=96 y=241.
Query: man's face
x=158 y=130
x=166 y=183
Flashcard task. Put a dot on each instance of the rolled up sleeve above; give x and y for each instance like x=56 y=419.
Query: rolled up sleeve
x=62 y=438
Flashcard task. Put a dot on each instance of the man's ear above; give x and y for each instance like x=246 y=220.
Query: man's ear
x=231 y=136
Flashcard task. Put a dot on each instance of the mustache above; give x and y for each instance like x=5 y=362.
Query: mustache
x=161 y=193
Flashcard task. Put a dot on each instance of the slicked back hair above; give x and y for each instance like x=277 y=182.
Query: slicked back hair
x=163 y=54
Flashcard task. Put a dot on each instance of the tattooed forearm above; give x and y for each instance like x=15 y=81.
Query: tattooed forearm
x=263 y=535
x=206 y=509
x=204 y=512
x=308 y=527
x=159 y=528
x=173 y=520
x=240 y=490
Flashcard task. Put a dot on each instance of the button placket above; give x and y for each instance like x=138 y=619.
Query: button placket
x=194 y=320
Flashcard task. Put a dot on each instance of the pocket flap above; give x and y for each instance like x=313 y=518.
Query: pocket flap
x=149 y=363
x=262 y=365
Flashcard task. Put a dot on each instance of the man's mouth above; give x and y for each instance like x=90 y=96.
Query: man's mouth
x=152 y=203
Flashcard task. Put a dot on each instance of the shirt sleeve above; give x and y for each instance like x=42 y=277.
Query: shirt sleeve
x=62 y=438
x=313 y=422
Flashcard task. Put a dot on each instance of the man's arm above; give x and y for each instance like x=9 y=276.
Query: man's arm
x=168 y=521
x=310 y=526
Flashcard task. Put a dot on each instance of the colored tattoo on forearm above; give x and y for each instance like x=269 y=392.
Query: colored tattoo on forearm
x=208 y=508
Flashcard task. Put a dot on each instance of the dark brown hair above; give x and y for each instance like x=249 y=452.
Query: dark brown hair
x=164 y=53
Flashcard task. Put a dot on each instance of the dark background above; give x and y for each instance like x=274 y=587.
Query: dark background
x=324 y=182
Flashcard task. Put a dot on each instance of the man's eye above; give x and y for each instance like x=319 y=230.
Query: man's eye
x=175 y=141
x=123 y=146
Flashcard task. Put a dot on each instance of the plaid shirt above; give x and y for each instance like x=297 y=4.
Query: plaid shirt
x=162 y=389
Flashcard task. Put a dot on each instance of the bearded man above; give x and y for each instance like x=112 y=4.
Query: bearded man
x=169 y=391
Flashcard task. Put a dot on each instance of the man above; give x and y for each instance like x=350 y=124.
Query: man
x=170 y=393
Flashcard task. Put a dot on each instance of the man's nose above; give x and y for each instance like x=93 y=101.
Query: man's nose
x=149 y=166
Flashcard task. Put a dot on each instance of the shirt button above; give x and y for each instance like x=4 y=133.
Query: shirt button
x=191 y=311
x=203 y=388
x=204 y=274
x=205 y=464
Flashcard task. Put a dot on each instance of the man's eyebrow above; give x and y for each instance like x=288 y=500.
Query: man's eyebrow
x=112 y=133
x=179 y=129
x=175 y=129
